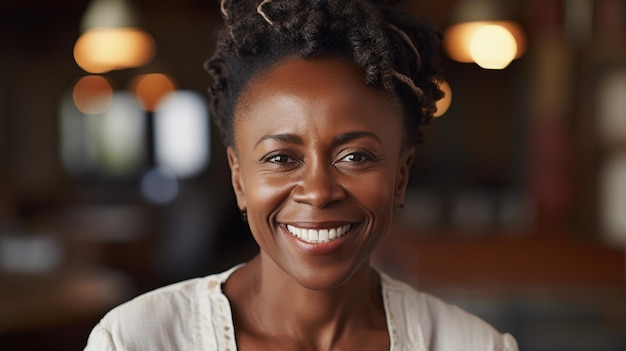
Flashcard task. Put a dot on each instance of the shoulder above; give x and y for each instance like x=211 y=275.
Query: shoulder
x=172 y=300
x=149 y=321
x=434 y=324
x=171 y=317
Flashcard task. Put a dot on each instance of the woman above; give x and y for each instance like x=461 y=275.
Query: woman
x=319 y=104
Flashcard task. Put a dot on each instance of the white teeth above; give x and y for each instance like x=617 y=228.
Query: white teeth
x=318 y=236
x=323 y=235
x=332 y=233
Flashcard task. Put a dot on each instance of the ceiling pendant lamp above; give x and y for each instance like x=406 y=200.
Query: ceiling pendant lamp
x=479 y=34
x=112 y=39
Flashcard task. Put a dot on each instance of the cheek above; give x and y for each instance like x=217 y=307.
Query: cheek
x=263 y=197
x=373 y=191
x=265 y=194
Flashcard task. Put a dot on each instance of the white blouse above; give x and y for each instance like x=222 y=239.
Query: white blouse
x=196 y=315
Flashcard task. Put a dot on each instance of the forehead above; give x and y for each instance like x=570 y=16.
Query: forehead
x=297 y=85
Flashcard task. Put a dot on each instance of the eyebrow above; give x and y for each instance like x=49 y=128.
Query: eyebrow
x=347 y=137
x=283 y=138
x=339 y=139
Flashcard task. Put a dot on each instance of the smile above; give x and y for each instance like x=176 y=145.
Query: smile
x=319 y=235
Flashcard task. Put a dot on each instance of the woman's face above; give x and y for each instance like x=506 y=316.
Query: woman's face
x=319 y=166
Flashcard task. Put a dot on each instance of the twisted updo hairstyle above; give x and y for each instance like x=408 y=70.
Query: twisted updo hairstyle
x=396 y=52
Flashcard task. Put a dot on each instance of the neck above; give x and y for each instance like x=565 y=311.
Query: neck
x=280 y=306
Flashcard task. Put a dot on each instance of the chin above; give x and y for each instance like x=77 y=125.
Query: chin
x=322 y=279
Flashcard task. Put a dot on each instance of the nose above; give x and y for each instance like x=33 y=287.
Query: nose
x=318 y=187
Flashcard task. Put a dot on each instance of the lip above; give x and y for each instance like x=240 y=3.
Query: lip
x=318 y=248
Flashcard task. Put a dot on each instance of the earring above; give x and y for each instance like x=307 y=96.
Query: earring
x=244 y=215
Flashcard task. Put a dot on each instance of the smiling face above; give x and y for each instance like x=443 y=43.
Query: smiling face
x=319 y=165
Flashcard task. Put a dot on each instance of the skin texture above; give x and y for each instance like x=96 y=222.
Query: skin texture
x=315 y=148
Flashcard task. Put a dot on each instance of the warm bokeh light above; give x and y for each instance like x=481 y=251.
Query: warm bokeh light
x=493 y=47
x=102 y=50
x=459 y=38
x=92 y=95
x=151 y=88
x=444 y=103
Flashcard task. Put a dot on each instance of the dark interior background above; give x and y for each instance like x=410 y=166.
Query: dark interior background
x=504 y=213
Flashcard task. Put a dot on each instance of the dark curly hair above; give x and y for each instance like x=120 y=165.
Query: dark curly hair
x=397 y=52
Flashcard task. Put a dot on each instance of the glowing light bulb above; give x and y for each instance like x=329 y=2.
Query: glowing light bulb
x=102 y=50
x=457 y=40
x=493 y=47
x=460 y=38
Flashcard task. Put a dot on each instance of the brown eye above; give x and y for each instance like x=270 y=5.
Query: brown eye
x=280 y=159
x=356 y=157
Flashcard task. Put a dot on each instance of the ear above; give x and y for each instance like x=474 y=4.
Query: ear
x=402 y=176
x=235 y=177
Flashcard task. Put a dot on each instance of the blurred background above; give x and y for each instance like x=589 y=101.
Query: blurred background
x=114 y=182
